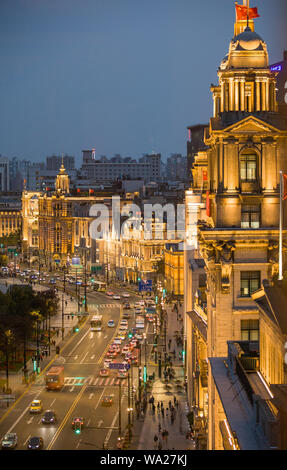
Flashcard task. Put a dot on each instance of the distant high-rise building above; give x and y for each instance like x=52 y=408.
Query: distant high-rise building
x=195 y=144
x=108 y=170
x=176 y=168
x=280 y=69
x=54 y=162
x=4 y=174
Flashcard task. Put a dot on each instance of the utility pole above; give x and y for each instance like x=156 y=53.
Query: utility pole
x=120 y=409
x=63 y=316
x=85 y=290
x=129 y=407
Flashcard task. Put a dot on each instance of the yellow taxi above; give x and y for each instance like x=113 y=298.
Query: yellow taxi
x=36 y=406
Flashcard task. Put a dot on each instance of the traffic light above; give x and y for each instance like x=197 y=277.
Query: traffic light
x=130 y=335
x=76 y=329
x=163 y=293
x=156 y=299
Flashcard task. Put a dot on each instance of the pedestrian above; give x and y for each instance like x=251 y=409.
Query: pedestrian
x=159 y=445
x=158 y=405
x=159 y=428
x=174 y=399
x=166 y=411
x=153 y=409
x=161 y=404
x=162 y=412
x=155 y=439
x=169 y=404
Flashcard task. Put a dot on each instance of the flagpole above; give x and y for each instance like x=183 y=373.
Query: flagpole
x=247 y=13
x=280 y=277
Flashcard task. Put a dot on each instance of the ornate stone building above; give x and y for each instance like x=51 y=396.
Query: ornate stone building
x=247 y=143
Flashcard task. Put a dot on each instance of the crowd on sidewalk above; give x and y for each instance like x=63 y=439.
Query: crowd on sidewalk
x=164 y=424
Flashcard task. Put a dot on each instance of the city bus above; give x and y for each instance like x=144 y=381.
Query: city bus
x=96 y=323
x=100 y=286
x=54 y=378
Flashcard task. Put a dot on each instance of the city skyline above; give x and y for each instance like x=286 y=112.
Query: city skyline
x=122 y=78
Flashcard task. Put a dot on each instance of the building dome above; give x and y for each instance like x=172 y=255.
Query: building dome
x=248 y=40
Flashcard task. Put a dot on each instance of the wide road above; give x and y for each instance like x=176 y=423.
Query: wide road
x=83 y=391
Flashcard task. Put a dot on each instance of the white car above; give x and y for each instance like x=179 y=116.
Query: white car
x=123 y=328
x=117 y=340
x=111 y=324
x=126 y=295
x=137 y=304
x=142 y=303
x=124 y=322
x=117 y=297
x=107 y=363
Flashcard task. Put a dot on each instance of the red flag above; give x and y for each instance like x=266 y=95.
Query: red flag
x=241 y=12
x=284 y=187
x=204 y=175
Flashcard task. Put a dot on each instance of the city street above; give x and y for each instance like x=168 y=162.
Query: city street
x=82 y=356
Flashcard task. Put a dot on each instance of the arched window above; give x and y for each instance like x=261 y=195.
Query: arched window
x=248 y=166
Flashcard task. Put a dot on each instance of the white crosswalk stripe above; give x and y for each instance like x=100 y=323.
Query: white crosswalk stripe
x=109 y=381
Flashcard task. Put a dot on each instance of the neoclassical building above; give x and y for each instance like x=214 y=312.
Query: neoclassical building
x=238 y=240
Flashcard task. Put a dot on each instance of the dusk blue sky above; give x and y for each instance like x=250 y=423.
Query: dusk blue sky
x=123 y=76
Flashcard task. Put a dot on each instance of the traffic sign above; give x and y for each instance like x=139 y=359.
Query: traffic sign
x=119 y=365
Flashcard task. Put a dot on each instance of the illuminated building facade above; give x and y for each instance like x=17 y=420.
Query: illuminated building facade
x=238 y=241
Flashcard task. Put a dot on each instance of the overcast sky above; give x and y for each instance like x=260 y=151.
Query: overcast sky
x=123 y=76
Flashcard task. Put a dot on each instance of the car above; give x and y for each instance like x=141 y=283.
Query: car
x=138 y=336
x=126 y=295
x=123 y=327
x=142 y=303
x=122 y=335
x=52 y=281
x=124 y=322
x=104 y=372
x=137 y=304
x=77 y=422
x=125 y=349
x=122 y=374
x=49 y=417
x=112 y=353
x=116 y=297
x=109 y=294
x=36 y=406
x=127 y=305
x=107 y=363
x=111 y=324
x=9 y=441
x=107 y=400
x=117 y=340
x=139 y=311
x=126 y=315
x=35 y=443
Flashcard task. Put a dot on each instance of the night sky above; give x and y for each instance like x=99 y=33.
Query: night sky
x=122 y=76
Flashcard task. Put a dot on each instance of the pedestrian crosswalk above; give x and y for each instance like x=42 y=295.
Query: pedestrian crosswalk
x=92 y=381
x=99 y=306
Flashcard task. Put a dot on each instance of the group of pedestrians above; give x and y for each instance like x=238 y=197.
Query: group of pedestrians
x=161 y=436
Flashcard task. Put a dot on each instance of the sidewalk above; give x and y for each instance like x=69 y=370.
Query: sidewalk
x=16 y=378
x=165 y=391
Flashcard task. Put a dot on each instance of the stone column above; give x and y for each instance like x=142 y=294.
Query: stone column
x=236 y=85
x=257 y=95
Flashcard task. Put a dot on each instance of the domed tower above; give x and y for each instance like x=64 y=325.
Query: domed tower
x=246 y=84
x=62 y=184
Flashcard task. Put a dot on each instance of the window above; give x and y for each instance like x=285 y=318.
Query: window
x=249 y=330
x=248 y=166
x=249 y=282
x=250 y=216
